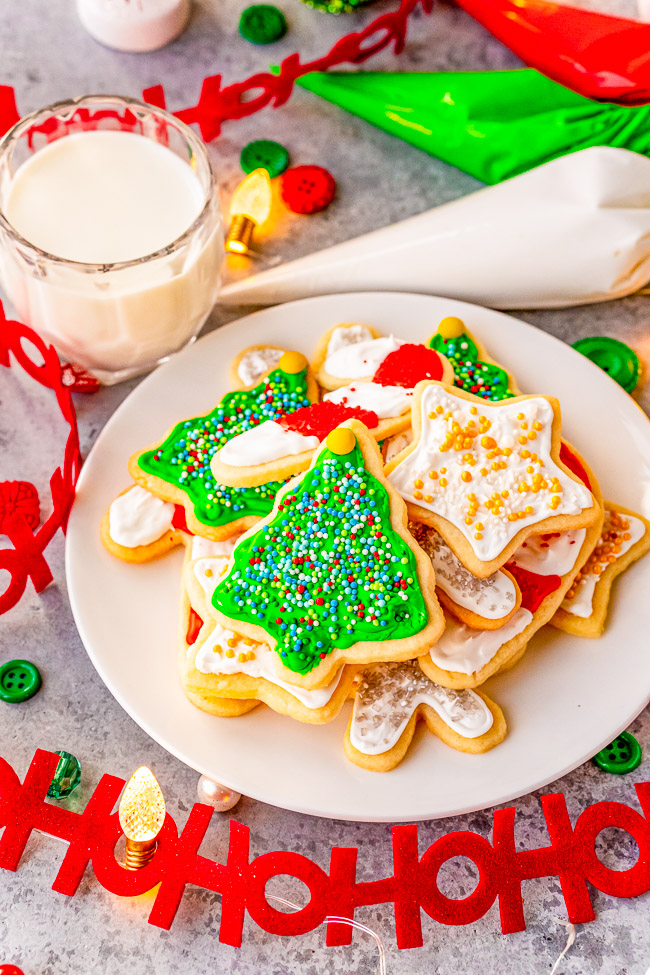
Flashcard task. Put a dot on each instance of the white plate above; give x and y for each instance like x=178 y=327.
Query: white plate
x=563 y=702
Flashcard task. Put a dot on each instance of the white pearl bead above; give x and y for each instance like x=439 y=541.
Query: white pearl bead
x=216 y=795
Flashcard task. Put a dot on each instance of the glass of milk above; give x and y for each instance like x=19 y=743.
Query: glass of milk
x=111 y=238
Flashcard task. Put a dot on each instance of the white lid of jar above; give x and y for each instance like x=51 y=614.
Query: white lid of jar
x=134 y=25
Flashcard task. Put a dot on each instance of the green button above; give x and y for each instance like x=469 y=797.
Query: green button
x=620 y=756
x=66 y=777
x=264 y=154
x=615 y=358
x=262 y=24
x=19 y=680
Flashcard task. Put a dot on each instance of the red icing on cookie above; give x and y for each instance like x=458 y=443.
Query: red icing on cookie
x=408 y=365
x=534 y=588
x=570 y=460
x=319 y=419
x=194 y=625
x=179 y=522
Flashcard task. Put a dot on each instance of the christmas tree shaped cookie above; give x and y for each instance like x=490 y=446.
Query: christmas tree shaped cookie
x=474 y=371
x=332 y=575
x=177 y=469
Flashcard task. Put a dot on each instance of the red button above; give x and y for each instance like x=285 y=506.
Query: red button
x=308 y=189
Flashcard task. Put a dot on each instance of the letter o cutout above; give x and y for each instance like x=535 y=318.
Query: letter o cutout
x=447 y=910
x=294 y=865
x=618 y=883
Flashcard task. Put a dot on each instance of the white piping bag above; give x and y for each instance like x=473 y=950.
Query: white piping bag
x=572 y=231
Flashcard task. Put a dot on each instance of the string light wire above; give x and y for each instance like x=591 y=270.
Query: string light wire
x=351 y=923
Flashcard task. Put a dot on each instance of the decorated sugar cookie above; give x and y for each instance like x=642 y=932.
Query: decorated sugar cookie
x=389 y=700
x=349 y=354
x=285 y=446
x=178 y=468
x=625 y=538
x=253 y=363
x=474 y=370
x=544 y=568
x=485 y=604
x=332 y=576
x=138 y=526
x=228 y=674
x=487 y=475
x=190 y=624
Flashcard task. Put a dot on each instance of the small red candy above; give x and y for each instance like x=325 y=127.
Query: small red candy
x=19 y=497
x=308 y=189
x=10 y=970
x=78 y=379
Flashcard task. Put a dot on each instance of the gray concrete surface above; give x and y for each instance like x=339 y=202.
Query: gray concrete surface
x=46 y=55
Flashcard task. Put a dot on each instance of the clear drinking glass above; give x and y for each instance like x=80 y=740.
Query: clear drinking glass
x=121 y=319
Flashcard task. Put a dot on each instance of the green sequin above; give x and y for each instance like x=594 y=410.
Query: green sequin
x=329 y=570
x=484 y=379
x=183 y=459
x=66 y=777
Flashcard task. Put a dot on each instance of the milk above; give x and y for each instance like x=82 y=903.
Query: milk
x=103 y=198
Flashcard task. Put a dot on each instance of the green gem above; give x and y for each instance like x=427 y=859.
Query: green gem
x=615 y=358
x=264 y=154
x=335 y=6
x=66 y=778
x=620 y=756
x=262 y=24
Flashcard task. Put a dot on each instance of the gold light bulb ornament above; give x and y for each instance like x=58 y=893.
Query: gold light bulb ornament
x=249 y=208
x=142 y=814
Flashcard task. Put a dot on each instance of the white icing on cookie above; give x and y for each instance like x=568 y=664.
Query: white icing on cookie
x=492 y=598
x=385 y=401
x=267 y=442
x=210 y=660
x=347 y=335
x=389 y=694
x=204 y=548
x=254 y=364
x=503 y=467
x=138 y=517
x=208 y=572
x=550 y=555
x=356 y=360
x=465 y=650
x=581 y=604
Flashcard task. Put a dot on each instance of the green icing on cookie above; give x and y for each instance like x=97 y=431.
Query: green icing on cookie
x=328 y=570
x=183 y=459
x=484 y=379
